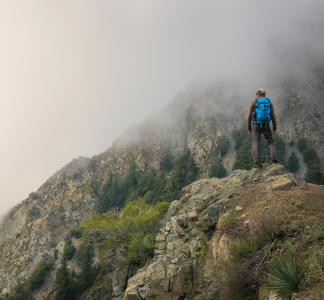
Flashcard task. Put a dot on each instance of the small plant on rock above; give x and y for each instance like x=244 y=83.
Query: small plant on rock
x=285 y=276
x=243 y=247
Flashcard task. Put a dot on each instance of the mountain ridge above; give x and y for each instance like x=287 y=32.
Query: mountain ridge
x=34 y=227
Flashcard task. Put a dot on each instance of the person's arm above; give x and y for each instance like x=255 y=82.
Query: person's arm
x=273 y=118
x=250 y=113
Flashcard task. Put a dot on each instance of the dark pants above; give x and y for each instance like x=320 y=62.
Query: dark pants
x=256 y=142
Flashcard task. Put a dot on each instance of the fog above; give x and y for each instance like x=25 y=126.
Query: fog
x=74 y=74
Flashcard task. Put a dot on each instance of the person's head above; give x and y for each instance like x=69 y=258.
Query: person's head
x=260 y=92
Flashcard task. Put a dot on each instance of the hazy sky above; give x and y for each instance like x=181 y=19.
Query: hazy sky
x=74 y=74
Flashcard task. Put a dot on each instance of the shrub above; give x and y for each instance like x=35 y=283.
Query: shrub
x=22 y=292
x=285 y=276
x=243 y=247
x=84 y=258
x=132 y=230
x=268 y=224
x=56 y=252
x=34 y=196
x=76 y=233
x=230 y=225
x=69 y=249
x=316 y=233
x=63 y=285
x=315 y=270
x=34 y=213
x=217 y=170
x=40 y=274
x=235 y=281
x=140 y=248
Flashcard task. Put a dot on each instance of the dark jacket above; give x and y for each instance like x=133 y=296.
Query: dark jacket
x=250 y=116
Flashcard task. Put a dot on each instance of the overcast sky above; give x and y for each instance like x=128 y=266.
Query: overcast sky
x=74 y=74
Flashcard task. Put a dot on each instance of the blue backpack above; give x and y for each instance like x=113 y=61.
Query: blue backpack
x=262 y=111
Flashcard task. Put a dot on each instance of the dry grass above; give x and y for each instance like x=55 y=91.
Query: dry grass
x=238 y=281
x=269 y=222
x=231 y=225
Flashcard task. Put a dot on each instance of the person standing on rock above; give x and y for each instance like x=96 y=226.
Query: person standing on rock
x=261 y=113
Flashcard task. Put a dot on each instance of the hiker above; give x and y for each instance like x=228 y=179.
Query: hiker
x=261 y=113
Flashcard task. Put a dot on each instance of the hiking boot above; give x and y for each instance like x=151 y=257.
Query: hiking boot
x=258 y=165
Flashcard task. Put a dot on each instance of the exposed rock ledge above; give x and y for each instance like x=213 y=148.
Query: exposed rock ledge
x=188 y=245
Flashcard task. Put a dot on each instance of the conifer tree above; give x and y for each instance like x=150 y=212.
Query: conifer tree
x=293 y=163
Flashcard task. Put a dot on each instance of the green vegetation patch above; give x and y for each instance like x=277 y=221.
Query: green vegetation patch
x=243 y=247
x=313 y=162
x=293 y=164
x=153 y=186
x=132 y=230
x=217 y=170
x=285 y=275
x=40 y=274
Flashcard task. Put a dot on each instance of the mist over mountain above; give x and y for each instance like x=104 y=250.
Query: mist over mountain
x=173 y=208
x=74 y=79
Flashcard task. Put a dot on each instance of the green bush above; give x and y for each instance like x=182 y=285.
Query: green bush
x=285 y=276
x=76 y=233
x=316 y=233
x=63 y=284
x=40 y=274
x=217 y=170
x=243 y=247
x=84 y=258
x=133 y=229
x=69 y=249
x=140 y=247
x=56 y=252
x=70 y=286
x=22 y=292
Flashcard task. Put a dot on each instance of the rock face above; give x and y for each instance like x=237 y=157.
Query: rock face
x=189 y=245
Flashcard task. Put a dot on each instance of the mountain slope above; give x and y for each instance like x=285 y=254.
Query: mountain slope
x=196 y=120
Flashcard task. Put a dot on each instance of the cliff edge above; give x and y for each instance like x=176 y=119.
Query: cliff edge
x=200 y=251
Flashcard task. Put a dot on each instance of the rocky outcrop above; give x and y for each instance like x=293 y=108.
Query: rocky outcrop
x=190 y=244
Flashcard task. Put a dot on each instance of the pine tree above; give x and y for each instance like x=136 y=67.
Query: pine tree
x=63 y=283
x=217 y=170
x=293 y=163
x=166 y=160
